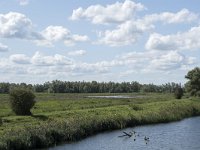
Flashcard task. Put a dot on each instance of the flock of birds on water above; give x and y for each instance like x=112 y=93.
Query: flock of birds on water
x=135 y=134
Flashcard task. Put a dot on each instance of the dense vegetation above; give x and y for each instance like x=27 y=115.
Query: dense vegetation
x=70 y=117
x=57 y=86
x=193 y=85
x=178 y=93
x=21 y=101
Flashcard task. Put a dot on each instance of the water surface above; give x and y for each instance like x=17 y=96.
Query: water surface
x=116 y=96
x=181 y=135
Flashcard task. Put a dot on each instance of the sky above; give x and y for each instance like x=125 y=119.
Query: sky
x=103 y=40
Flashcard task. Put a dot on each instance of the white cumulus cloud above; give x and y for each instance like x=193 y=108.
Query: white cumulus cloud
x=80 y=38
x=42 y=60
x=128 y=32
x=181 y=16
x=57 y=65
x=114 y=13
x=56 y=33
x=59 y=33
x=17 y=25
x=77 y=53
x=151 y=61
x=180 y=41
x=170 y=61
x=125 y=34
x=20 y=59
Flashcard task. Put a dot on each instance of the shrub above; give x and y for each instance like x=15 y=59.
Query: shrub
x=178 y=93
x=1 y=122
x=136 y=107
x=21 y=101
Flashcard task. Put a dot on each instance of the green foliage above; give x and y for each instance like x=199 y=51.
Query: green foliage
x=21 y=101
x=71 y=117
x=178 y=92
x=4 y=87
x=39 y=88
x=193 y=85
x=1 y=122
x=136 y=107
x=57 y=86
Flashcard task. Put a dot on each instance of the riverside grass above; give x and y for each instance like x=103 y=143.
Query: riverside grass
x=71 y=117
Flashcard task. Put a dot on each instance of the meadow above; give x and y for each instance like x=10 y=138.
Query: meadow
x=70 y=117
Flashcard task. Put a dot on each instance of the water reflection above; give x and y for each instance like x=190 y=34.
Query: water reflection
x=117 y=96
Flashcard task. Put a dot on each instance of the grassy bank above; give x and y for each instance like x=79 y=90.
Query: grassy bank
x=70 y=117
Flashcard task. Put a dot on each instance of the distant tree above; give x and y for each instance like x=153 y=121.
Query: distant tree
x=46 y=86
x=193 y=85
x=94 y=87
x=58 y=86
x=150 y=88
x=178 y=93
x=50 y=90
x=39 y=88
x=21 y=101
x=135 y=86
x=4 y=87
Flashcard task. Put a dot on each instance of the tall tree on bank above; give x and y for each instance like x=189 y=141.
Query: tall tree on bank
x=193 y=85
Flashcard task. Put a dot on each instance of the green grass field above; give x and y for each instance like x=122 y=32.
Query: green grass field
x=70 y=117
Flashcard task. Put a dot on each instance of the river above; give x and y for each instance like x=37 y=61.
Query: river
x=180 y=135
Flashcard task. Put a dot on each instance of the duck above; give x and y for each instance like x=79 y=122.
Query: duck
x=146 y=138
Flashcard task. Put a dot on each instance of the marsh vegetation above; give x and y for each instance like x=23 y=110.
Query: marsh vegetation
x=59 y=116
x=69 y=117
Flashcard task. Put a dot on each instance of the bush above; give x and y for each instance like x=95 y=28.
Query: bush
x=1 y=121
x=178 y=93
x=21 y=101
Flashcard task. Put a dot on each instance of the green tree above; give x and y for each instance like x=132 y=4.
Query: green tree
x=178 y=93
x=39 y=88
x=21 y=101
x=4 y=87
x=135 y=86
x=193 y=85
x=58 y=86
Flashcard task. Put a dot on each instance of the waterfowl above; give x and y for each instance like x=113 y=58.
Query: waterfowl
x=146 y=138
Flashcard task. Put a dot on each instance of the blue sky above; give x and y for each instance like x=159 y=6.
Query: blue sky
x=146 y=41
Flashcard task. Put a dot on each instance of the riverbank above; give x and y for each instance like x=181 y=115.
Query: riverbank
x=61 y=119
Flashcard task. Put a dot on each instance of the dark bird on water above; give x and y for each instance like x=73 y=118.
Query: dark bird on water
x=146 y=138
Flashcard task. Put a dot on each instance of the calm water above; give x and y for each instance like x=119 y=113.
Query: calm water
x=182 y=135
x=117 y=96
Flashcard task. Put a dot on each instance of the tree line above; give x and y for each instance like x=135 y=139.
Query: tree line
x=57 y=86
